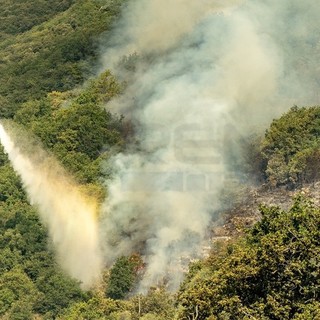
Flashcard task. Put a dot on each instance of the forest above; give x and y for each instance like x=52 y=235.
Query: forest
x=56 y=86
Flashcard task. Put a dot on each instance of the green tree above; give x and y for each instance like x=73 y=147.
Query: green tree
x=17 y=293
x=98 y=307
x=271 y=274
x=58 y=292
x=291 y=147
x=156 y=304
x=20 y=16
x=123 y=276
x=55 y=55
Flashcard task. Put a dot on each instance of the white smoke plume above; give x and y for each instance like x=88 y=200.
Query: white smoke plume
x=206 y=69
x=70 y=216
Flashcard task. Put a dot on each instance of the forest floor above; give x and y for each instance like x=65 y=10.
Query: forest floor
x=245 y=213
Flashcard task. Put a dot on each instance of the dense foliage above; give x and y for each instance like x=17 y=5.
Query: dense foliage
x=54 y=55
x=46 y=46
x=291 y=148
x=123 y=276
x=48 y=54
x=274 y=273
x=30 y=280
x=19 y=16
x=75 y=126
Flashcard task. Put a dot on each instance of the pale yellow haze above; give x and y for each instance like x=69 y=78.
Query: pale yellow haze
x=180 y=16
x=71 y=216
x=157 y=25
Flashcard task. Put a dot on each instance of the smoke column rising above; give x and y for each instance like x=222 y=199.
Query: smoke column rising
x=205 y=69
x=164 y=194
x=69 y=215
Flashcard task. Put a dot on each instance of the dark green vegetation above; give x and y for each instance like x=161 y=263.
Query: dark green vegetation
x=30 y=280
x=47 y=50
x=291 y=148
x=272 y=273
x=75 y=127
x=54 y=55
x=123 y=276
x=20 y=16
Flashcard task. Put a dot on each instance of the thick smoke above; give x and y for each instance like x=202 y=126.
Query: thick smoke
x=205 y=73
x=70 y=216
x=204 y=70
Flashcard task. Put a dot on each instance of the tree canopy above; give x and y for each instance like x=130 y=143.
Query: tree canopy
x=291 y=147
x=49 y=85
x=273 y=273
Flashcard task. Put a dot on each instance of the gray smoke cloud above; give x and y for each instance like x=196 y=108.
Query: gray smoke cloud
x=205 y=69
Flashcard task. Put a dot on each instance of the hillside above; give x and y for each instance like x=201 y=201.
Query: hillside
x=174 y=131
x=46 y=49
x=56 y=54
x=18 y=16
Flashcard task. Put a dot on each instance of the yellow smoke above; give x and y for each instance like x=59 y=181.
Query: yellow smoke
x=69 y=214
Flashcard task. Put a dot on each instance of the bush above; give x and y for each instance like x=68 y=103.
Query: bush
x=291 y=148
x=271 y=274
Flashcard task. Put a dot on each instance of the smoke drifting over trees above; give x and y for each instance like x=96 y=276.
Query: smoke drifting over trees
x=198 y=75
x=203 y=70
x=70 y=216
